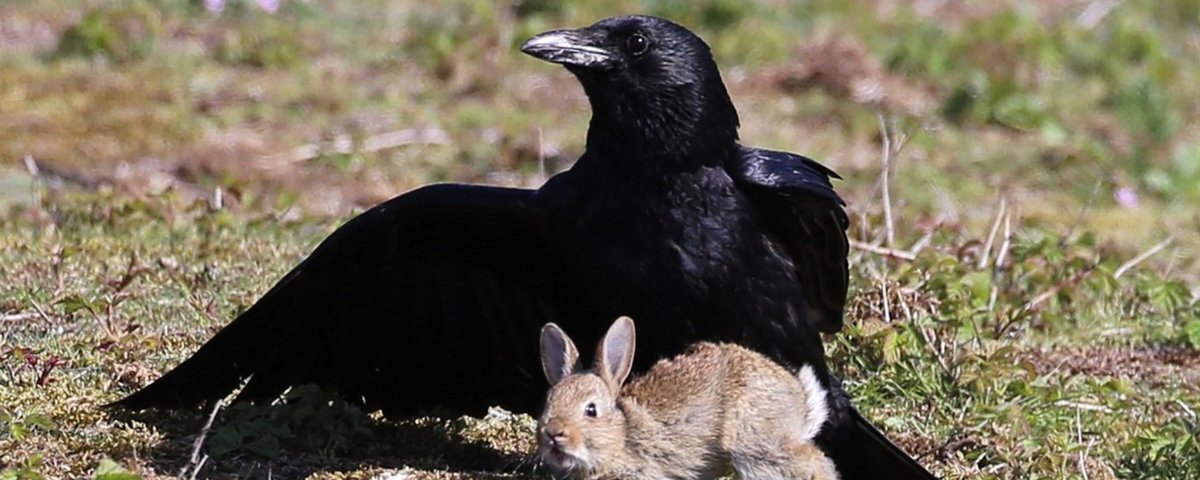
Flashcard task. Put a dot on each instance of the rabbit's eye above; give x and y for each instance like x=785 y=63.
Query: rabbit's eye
x=590 y=410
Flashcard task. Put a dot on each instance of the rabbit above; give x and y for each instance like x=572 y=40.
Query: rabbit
x=690 y=417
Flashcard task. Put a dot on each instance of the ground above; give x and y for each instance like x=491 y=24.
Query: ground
x=1023 y=180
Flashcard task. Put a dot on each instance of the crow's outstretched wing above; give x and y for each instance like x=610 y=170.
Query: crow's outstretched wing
x=433 y=298
x=798 y=206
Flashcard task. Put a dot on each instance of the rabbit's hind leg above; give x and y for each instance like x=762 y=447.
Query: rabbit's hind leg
x=799 y=461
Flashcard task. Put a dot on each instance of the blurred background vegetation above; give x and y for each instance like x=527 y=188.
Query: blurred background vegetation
x=1025 y=292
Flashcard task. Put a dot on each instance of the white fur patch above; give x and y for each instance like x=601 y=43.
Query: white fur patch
x=815 y=398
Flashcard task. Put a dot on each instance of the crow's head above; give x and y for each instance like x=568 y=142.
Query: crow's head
x=653 y=85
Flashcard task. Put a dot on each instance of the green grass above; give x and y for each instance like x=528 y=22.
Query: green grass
x=1037 y=351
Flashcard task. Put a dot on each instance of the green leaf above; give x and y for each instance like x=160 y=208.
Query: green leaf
x=110 y=470
x=266 y=446
x=891 y=350
x=40 y=421
x=28 y=471
x=1121 y=386
x=75 y=303
x=1191 y=329
x=1019 y=111
x=224 y=439
x=17 y=430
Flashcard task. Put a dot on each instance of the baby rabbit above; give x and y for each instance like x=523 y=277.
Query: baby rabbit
x=690 y=417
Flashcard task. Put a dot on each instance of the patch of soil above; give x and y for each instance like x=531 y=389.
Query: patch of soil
x=1151 y=364
x=843 y=67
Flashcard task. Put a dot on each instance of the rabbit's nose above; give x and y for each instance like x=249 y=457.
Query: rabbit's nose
x=554 y=434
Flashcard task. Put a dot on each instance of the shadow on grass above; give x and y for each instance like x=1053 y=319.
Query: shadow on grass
x=310 y=434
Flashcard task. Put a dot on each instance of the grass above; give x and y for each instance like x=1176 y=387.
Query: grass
x=1033 y=315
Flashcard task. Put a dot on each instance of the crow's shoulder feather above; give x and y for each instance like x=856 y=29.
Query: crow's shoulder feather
x=797 y=205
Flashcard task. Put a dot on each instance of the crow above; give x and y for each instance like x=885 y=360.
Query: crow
x=434 y=299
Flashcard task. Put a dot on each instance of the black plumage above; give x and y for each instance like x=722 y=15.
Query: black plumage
x=435 y=298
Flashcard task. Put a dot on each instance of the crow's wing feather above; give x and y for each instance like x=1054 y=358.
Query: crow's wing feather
x=870 y=455
x=798 y=206
x=433 y=298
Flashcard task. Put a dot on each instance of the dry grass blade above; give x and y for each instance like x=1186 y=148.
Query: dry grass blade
x=1042 y=297
x=1001 y=257
x=1095 y=13
x=345 y=144
x=1141 y=257
x=985 y=255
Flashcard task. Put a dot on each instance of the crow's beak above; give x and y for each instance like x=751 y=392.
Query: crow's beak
x=571 y=48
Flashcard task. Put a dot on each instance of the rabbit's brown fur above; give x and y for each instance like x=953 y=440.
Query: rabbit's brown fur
x=693 y=416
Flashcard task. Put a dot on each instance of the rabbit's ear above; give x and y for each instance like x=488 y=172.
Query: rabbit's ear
x=558 y=353
x=615 y=356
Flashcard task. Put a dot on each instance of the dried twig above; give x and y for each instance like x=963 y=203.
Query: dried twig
x=1002 y=254
x=218 y=198
x=35 y=194
x=18 y=317
x=199 y=466
x=887 y=252
x=32 y=166
x=1191 y=413
x=887 y=307
x=885 y=174
x=195 y=462
x=1095 y=13
x=40 y=311
x=1133 y=262
x=928 y=339
x=35 y=173
x=949 y=210
x=923 y=242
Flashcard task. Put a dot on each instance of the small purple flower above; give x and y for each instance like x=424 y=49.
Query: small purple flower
x=214 y=6
x=269 y=6
x=1126 y=197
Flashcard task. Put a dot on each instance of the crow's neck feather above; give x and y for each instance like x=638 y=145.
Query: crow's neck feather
x=673 y=127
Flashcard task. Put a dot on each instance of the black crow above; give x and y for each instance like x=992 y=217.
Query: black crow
x=436 y=297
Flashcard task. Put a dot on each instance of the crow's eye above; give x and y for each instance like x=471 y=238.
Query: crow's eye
x=590 y=410
x=637 y=44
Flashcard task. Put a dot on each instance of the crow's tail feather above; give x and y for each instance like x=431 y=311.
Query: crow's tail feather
x=869 y=455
